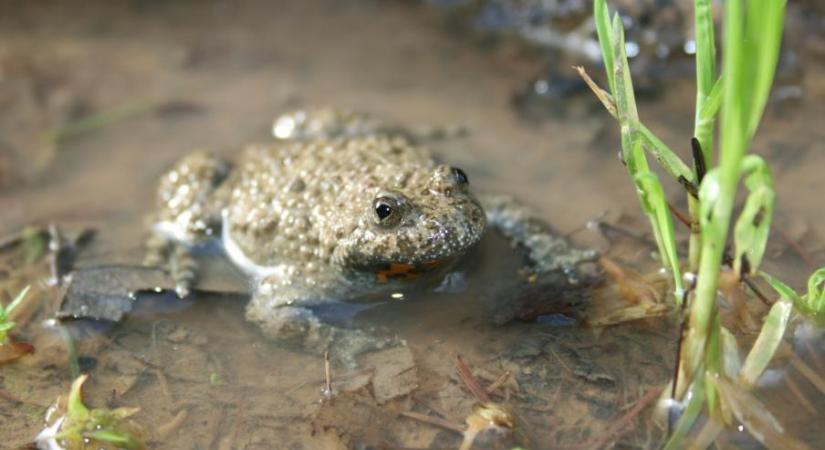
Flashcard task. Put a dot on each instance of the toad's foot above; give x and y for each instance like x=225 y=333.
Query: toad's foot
x=547 y=250
x=175 y=258
x=188 y=203
x=299 y=327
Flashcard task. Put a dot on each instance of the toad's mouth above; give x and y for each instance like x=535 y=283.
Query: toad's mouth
x=405 y=271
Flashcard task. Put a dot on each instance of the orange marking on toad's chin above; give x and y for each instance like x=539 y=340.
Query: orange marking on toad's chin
x=405 y=271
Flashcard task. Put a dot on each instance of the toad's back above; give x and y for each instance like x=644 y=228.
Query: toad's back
x=294 y=201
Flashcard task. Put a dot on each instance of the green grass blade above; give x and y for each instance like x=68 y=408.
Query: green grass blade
x=679 y=436
x=733 y=97
x=654 y=202
x=17 y=300
x=731 y=361
x=632 y=150
x=766 y=344
x=120 y=439
x=605 y=33
x=754 y=224
x=755 y=417
x=783 y=289
x=815 y=298
x=763 y=30
x=75 y=409
x=705 y=118
x=705 y=74
x=672 y=164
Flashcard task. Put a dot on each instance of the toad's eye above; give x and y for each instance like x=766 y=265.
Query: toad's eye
x=460 y=176
x=387 y=210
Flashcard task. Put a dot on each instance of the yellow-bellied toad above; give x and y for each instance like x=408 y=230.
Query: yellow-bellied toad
x=339 y=205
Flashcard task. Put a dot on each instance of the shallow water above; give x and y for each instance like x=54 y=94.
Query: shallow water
x=213 y=75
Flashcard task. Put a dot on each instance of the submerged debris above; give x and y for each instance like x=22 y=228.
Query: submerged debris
x=108 y=293
x=541 y=295
x=630 y=296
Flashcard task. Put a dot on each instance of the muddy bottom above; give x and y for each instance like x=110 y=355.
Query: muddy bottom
x=161 y=79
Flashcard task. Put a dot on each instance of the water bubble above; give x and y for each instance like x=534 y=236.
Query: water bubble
x=631 y=48
x=541 y=87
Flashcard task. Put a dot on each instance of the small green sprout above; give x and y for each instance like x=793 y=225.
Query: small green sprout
x=215 y=379
x=7 y=325
x=106 y=426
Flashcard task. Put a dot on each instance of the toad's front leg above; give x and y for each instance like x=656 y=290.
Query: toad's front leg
x=547 y=250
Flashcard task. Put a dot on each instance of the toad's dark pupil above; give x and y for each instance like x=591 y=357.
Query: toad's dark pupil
x=383 y=210
x=460 y=176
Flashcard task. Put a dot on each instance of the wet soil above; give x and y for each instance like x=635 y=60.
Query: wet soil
x=171 y=77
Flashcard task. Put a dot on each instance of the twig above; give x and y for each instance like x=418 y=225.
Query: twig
x=326 y=393
x=619 y=427
x=679 y=215
x=157 y=367
x=470 y=380
x=805 y=370
x=164 y=385
x=10 y=240
x=605 y=228
x=561 y=361
x=164 y=430
x=794 y=388
x=446 y=424
x=429 y=406
x=803 y=255
x=814 y=358
x=498 y=382
x=752 y=286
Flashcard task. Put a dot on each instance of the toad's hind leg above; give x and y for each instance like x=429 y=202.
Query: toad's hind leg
x=189 y=199
x=285 y=313
x=547 y=250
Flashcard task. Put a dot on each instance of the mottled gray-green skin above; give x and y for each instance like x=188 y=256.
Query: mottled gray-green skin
x=301 y=216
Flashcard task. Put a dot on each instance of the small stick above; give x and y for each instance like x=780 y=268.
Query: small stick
x=164 y=385
x=499 y=382
x=794 y=388
x=605 y=228
x=679 y=215
x=815 y=361
x=7 y=395
x=429 y=406
x=803 y=255
x=327 y=391
x=10 y=240
x=806 y=371
x=470 y=380
x=750 y=284
x=561 y=361
x=619 y=427
x=163 y=431
x=446 y=424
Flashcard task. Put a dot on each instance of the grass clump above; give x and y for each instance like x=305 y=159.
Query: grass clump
x=711 y=377
x=6 y=324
